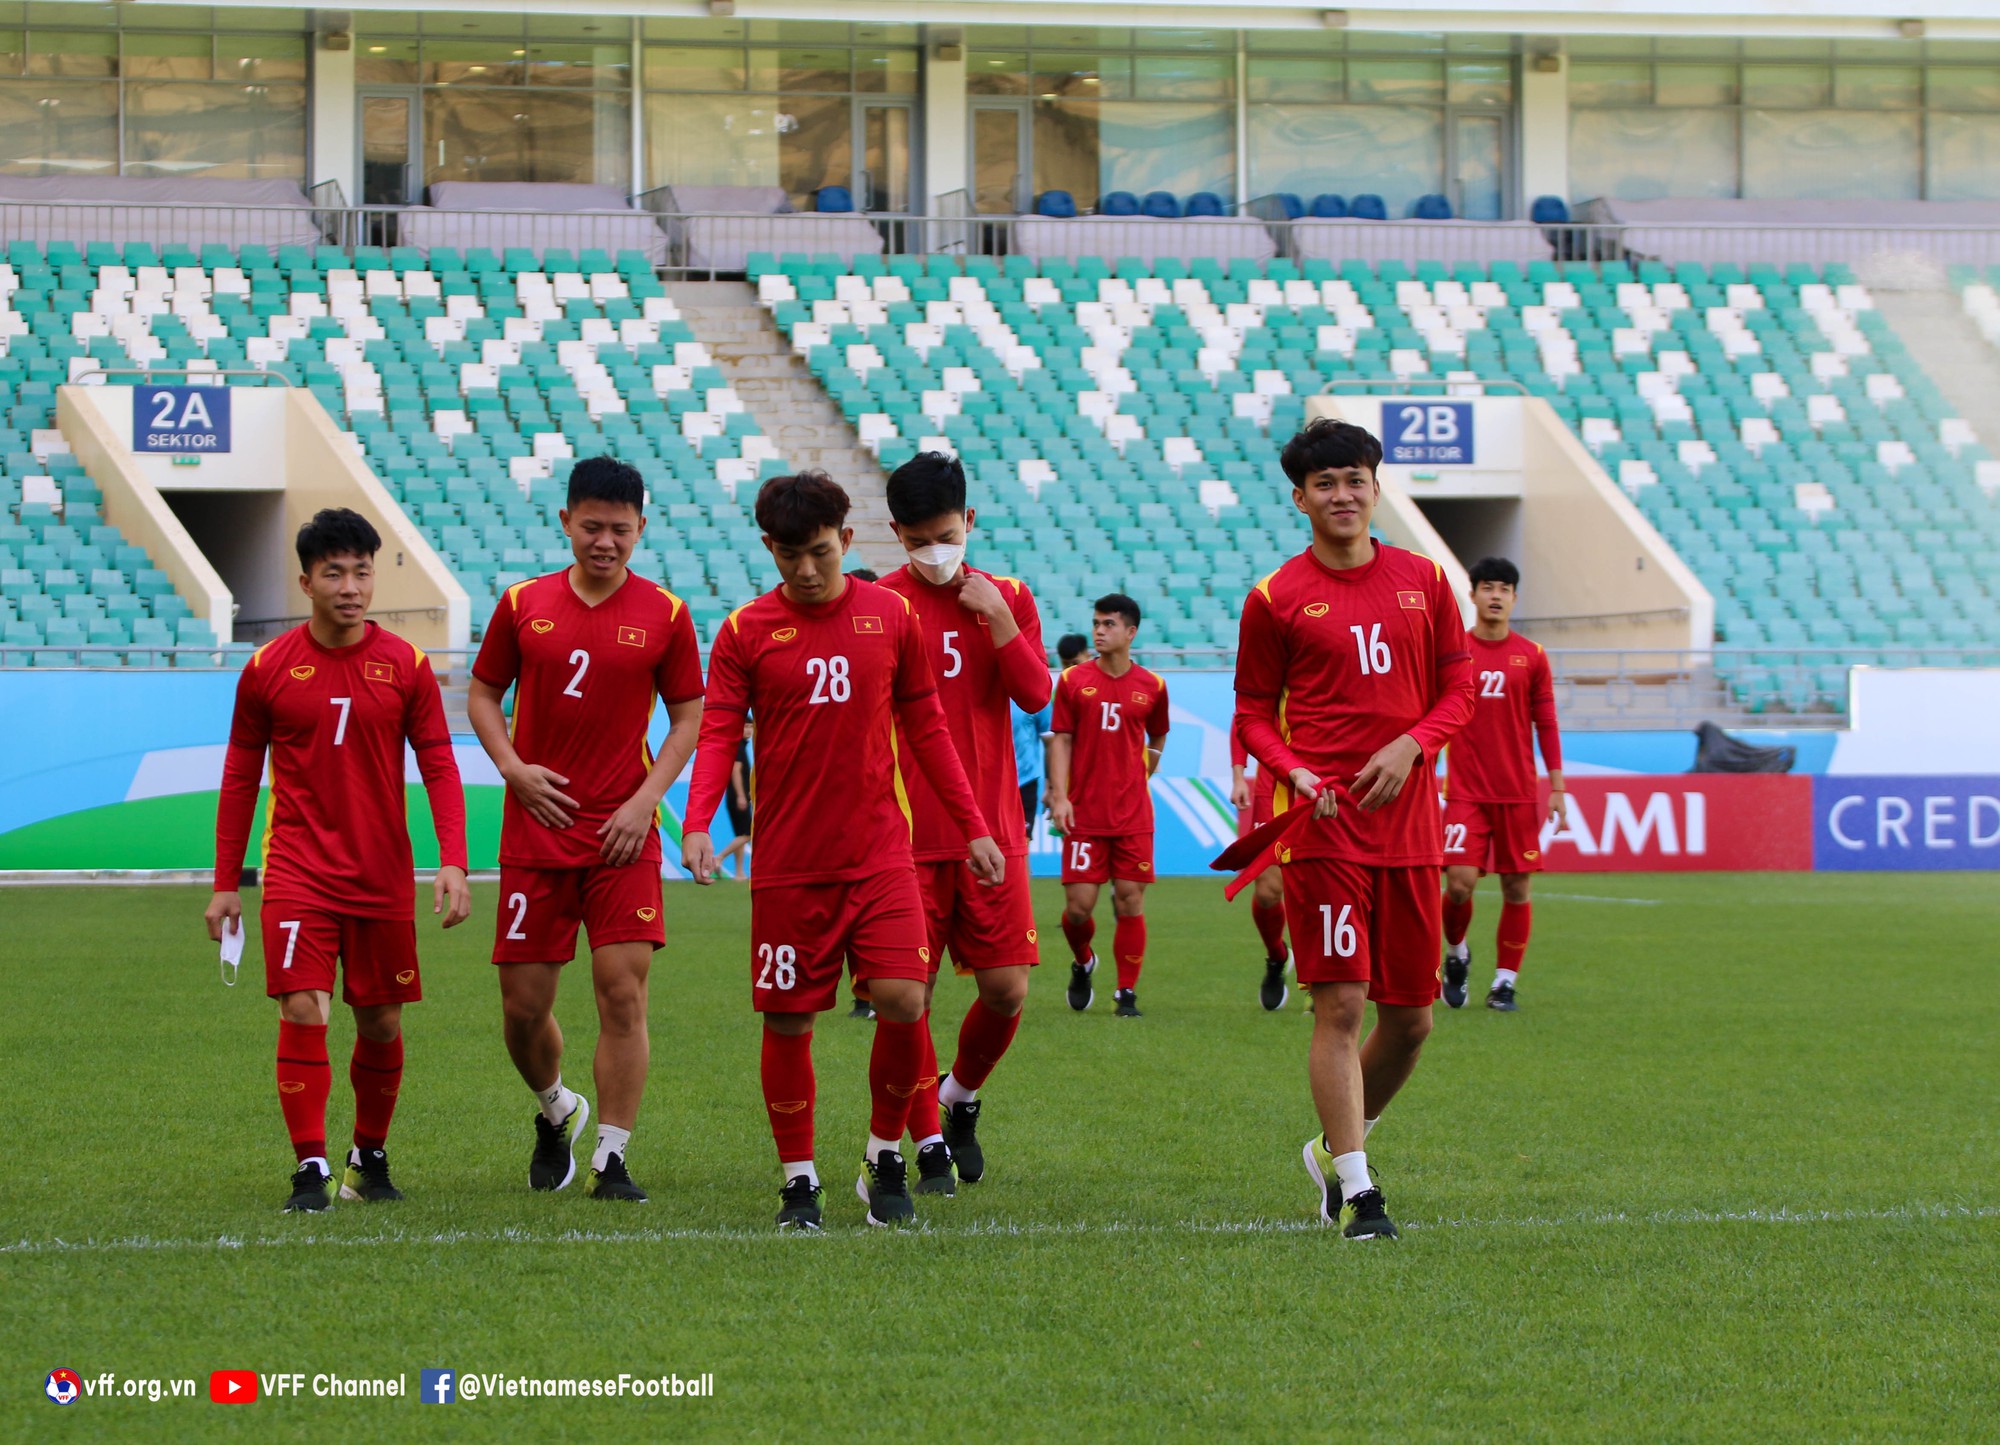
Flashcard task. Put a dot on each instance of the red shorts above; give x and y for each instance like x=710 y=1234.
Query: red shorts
x=1263 y=794
x=802 y=933
x=1098 y=860
x=541 y=908
x=1493 y=837
x=378 y=956
x=1352 y=923
x=982 y=927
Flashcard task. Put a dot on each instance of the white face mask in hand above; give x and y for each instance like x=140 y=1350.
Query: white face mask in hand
x=939 y=563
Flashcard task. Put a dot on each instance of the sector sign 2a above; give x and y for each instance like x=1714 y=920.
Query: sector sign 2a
x=181 y=420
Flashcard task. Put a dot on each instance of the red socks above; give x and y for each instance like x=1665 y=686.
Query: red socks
x=1079 y=935
x=1511 y=943
x=924 y=1103
x=304 y=1080
x=982 y=1039
x=1129 y=944
x=789 y=1094
x=895 y=1066
x=1457 y=919
x=376 y=1071
x=1270 y=920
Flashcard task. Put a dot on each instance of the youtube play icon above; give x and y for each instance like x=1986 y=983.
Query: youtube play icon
x=232 y=1387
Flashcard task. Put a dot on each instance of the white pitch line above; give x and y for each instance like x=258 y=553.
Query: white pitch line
x=1598 y=898
x=996 y=1229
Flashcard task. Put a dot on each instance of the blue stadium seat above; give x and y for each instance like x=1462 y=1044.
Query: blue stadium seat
x=1291 y=205
x=1548 y=211
x=1368 y=207
x=1118 y=203
x=1431 y=208
x=1161 y=206
x=1328 y=207
x=833 y=199
x=1059 y=204
x=1205 y=203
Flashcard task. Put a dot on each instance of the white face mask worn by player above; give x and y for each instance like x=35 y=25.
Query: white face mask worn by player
x=939 y=563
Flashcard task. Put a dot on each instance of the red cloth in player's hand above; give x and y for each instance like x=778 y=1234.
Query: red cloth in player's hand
x=1257 y=850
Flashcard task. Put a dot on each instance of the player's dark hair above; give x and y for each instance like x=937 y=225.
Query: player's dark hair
x=864 y=574
x=928 y=485
x=1326 y=444
x=1070 y=646
x=793 y=510
x=606 y=479
x=336 y=532
x=1493 y=569
x=1118 y=604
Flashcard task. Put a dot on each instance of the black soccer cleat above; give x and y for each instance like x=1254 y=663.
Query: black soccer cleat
x=367 y=1177
x=1128 y=1004
x=553 y=1163
x=312 y=1191
x=1456 y=968
x=1082 y=993
x=1272 y=992
x=1365 y=1216
x=798 y=1205
x=612 y=1182
x=961 y=1136
x=1500 y=998
x=862 y=1009
x=884 y=1186
x=934 y=1163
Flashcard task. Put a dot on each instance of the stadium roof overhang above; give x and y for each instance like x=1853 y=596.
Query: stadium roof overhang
x=1854 y=19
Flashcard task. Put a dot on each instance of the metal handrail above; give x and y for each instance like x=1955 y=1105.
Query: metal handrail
x=83 y=377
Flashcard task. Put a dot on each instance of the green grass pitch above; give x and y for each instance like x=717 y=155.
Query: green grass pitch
x=1730 y=1174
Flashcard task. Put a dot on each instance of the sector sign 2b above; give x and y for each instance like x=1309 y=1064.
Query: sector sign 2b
x=181 y=420
x=1428 y=433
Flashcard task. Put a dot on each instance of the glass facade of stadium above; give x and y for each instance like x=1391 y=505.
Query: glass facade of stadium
x=1001 y=113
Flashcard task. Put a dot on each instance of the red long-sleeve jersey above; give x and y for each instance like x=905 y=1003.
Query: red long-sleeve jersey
x=837 y=691
x=975 y=681
x=1108 y=720
x=1514 y=694
x=1333 y=665
x=335 y=721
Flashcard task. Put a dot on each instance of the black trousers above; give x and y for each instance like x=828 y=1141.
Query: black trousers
x=1031 y=796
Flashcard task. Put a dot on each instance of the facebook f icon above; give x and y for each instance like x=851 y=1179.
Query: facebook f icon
x=440 y=1387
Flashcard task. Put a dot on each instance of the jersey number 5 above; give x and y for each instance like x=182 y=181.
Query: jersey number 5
x=1493 y=684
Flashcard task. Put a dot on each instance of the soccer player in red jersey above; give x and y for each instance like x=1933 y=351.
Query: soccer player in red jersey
x=984 y=640
x=1251 y=797
x=1491 y=821
x=1110 y=724
x=334 y=701
x=1352 y=671
x=587 y=649
x=834 y=672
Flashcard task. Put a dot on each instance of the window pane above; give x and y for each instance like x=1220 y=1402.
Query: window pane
x=169 y=57
x=587 y=67
x=885 y=72
x=713 y=30
x=1878 y=87
x=240 y=132
x=387 y=62
x=465 y=25
x=1003 y=74
x=1610 y=85
x=13 y=51
x=64 y=128
x=260 y=57
x=1967 y=88
x=1415 y=82
x=1297 y=78
x=712 y=140
x=1830 y=154
x=473 y=62
x=1695 y=85
x=472 y=134
x=1480 y=82
x=1641 y=155
x=56 y=52
x=1395 y=152
x=1963 y=158
x=1060 y=76
x=1065 y=149
x=694 y=68
x=1787 y=85
x=1184 y=40
x=1184 y=77
x=815 y=145
x=813 y=70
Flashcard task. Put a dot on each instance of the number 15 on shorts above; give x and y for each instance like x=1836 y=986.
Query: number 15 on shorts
x=781 y=966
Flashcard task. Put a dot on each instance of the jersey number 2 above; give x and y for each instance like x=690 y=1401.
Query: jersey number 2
x=582 y=661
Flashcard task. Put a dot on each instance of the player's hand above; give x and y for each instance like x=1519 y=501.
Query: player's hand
x=1326 y=802
x=988 y=865
x=1380 y=782
x=1062 y=814
x=1239 y=792
x=978 y=594
x=1559 y=809
x=540 y=792
x=698 y=857
x=451 y=895
x=223 y=906
x=625 y=832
